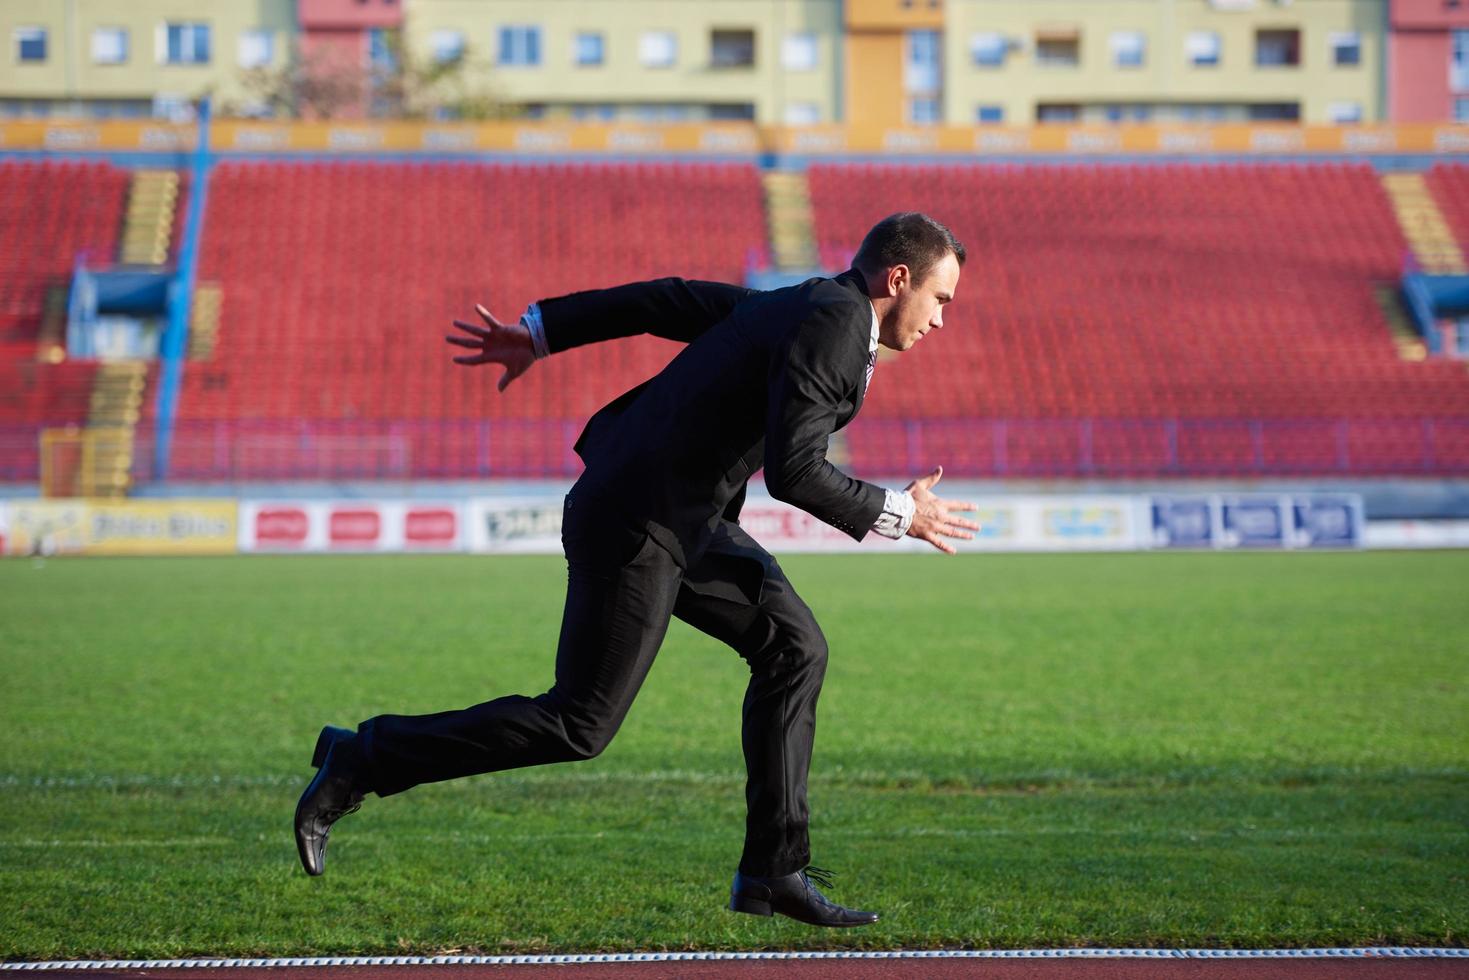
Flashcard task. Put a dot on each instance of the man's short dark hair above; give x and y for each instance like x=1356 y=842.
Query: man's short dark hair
x=908 y=238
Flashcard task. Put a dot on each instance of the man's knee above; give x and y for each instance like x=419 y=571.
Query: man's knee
x=794 y=646
x=585 y=731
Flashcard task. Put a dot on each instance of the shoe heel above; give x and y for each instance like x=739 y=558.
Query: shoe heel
x=749 y=906
x=329 y=736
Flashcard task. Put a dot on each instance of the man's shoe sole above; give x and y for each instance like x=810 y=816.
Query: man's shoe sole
x=749 y=906
x=329 y=736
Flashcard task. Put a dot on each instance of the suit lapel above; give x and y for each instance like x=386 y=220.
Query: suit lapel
x=852 y=280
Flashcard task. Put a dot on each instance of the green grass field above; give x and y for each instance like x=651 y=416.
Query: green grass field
x=1142 y=749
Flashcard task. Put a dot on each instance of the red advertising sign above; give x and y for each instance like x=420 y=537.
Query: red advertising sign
x=359 y=526
x=430 y=526
x=281 y=526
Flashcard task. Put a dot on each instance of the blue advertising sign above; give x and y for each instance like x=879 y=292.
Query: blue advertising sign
x=1327 y=522
x=1182 y=522
x=1254 y=522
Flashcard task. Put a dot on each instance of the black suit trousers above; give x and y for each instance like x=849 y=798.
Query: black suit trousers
x=622 y=589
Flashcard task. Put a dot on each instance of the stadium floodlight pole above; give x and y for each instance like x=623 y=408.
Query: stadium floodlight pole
x=180 y=301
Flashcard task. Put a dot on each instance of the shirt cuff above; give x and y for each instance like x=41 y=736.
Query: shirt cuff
x=897 y=514
x=531 y=320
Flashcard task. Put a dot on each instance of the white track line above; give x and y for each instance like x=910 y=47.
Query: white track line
x=1357 y=952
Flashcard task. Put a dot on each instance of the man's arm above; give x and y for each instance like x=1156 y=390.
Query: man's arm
x=811 y=375
x=809 y=380
x=674 y=309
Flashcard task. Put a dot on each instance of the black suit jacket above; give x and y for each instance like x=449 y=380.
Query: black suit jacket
x=765 y=380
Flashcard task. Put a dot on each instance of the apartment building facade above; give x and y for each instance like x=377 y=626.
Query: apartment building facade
x=780 y=62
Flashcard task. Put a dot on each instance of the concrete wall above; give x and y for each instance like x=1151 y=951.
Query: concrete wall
x=622 y=77
x=69 y=71
x=1166 y=74
x=1419 y=60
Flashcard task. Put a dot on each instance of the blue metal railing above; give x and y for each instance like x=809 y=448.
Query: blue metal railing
x=180 y=302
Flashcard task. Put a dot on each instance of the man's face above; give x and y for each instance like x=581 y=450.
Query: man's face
x=918 y=307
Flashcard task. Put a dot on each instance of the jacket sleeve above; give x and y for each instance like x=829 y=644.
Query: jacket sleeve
x=674 y=309
x=811 y=375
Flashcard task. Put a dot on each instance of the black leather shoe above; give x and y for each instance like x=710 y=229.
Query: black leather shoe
x=793 y=895
x=335 y=792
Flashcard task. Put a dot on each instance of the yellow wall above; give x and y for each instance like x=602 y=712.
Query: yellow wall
x=1166 y=75
x=69 y=71
x=875 y=79
x=622 y=78
x=868 y=33
x=895 y=15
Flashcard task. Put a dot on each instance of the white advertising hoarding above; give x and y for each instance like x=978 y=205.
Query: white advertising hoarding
x=351 y=525
x=532 y=525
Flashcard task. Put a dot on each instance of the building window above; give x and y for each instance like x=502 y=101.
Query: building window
x=1459 y=61
x=594 y=111
x=1129 y=49
x=520 y=46
x=988 y=49
x=1344 y=112
x=658 y=49
x=1273 y=112
x=109 y=45
x=1057 y=51
x=1137 y=112
x=185 y=44
x=732 y=49
x=798 y=52
x=589 y=49
x=1461 y=110
x=923 y=110
x=1202 y=48
x=730 y=112
x=1278 y=48
x=924 y=69
x=803 y=113
x=1346 y=49
x=1057 y=113
x=256 y=48
x=446 y=46
x=989 y=115
x=380 y=50
x=30 y=44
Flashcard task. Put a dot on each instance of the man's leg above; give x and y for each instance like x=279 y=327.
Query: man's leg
x=619 y=598
x=738 y=594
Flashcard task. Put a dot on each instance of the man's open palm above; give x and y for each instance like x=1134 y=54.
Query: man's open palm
x=934 y=518
x=500 y=343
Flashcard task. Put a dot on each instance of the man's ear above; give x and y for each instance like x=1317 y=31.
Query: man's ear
x=898 y=276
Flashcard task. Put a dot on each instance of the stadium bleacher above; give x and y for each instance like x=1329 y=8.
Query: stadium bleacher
x=50 y=214
x=1449 y=183
x=340 y=280
x=1183 y=317
x=1128 y=320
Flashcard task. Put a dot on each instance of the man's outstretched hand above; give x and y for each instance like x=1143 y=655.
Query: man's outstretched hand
x=501 y=343
x=933 y=518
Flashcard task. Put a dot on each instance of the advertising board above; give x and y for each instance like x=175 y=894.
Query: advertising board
x=511 y=525
x=351 y=525
x=1302 y=520
x=125 y=527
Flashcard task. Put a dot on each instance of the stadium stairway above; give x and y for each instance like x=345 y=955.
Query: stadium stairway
x=118 y=386
x=148 y=225
x=1423 y=224
x=790 y=220
x=204 y=321
x=117 y=395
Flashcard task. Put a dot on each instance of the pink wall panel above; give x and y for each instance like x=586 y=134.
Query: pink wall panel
x=1428 y=14
x=1419 y=82
x=349 y=13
